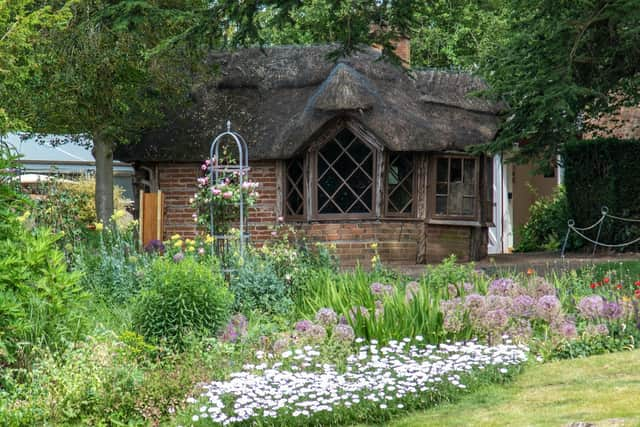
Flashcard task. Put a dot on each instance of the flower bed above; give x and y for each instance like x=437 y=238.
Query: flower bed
x=296 y=388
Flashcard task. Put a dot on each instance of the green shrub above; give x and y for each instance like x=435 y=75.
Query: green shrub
x=547 y=225
x=178 y=298
x=604 y=172
x=256 y=286
x=41 y=303
x=110 y=263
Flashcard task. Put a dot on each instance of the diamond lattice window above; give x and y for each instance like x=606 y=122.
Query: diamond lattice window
x=295 y=188
x=345 y=176
x=400 y=172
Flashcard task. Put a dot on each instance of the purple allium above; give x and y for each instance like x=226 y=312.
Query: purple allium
x=474 y=303
x=317 y=333
x=379 y=289
x=342 y=320
x=344 y=333
x=542 y=288
x=303 y=325
x=411 y=291
x=498 y=302
x=502 y=287
x=567 y=330
x=450 y=305
x=520 y=331
x=591 y=307
x=612 y=310
x=229 y=334
x=596 y=330
x=326 y=317
x=154 y=246
x=468 y=287
x=178 y=257
x=281 y=344
x=452 y=323
x=358 y=311
x=495 y=320
x=379 y=309
x=240 y=322
x=523 y=306
x=235 y=329
x=548 y=308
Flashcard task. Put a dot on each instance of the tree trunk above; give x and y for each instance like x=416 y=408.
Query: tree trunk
x=103 y=153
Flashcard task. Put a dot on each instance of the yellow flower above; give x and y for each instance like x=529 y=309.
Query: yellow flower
x=118 y=214
x=626 y=299
x=178 y=243
x=374 y=246
x=99 y=226
x=191 y=249
x=209 y=239
x=190 y=242
x=175 y=237
x=24 y=216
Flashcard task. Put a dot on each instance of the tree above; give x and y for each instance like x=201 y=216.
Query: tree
x=563 y=60
x=94 y=79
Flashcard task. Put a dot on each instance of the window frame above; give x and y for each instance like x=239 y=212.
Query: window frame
x=287 y=186
x=414 y=181
x=433 y=177
x=312 y=163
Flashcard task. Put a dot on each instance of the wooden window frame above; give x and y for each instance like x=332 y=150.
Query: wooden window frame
x=433 y=164
x=414 y=181
x=314 y=184
x=287 y=188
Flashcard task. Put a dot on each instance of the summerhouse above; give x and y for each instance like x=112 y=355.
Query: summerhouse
x=350 y=152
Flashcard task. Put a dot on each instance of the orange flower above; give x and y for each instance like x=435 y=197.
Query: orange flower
x=530 y=271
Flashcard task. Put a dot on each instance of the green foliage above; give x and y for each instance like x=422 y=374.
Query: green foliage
x=604 y=172
x=400 y=310
x=562 y=60
x=12 y=201
x=178 y=298
x=41 y=303
x=256 y=286
x=110 y=263
x=547 y=225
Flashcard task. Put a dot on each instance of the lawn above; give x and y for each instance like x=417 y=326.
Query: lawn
x=599 y=389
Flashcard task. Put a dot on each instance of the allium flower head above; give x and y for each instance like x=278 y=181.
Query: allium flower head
x=474 y=303
x=542 y=288
x=326 y=317
x=567 y=330
x=453 y=290
x=612 y=310
x=178 y=257
x=468 y=287
x=502 y=287
x=495 y=320
x=358 y=311
x=344 y=333
x=411 y=291
x=548 y=308
x=317 y=333
x=591 y=307
x=452 y=323
x=380 y=289
x=303 y=325
x=596 y=330
x=523 y=306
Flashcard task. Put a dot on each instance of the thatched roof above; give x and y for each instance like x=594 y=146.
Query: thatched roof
x=280 y=99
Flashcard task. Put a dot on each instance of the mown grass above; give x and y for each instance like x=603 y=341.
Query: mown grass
x=599 y=389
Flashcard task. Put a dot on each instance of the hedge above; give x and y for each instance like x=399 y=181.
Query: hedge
x=604 y=172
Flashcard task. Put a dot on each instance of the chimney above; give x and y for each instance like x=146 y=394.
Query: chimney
x=401 y=45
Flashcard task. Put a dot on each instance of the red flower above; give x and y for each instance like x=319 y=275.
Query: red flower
x=637 y=292
x=593 y=286
x=618 y=286
x=605 y=280
x=637 y=283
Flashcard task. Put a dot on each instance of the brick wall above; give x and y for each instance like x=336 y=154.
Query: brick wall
x=623 y=124
x=398 y=240
x=444 y=240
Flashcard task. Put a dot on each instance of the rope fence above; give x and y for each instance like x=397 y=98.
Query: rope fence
x=580 y=232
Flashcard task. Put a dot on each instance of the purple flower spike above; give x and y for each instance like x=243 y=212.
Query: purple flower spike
x=548 y=308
